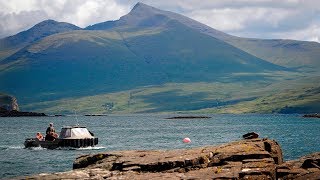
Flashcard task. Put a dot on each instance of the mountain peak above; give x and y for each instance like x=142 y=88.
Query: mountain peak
x=42 y=29
x=48 y=22
x=141 y=8
x=51 y=22
x=141 y=5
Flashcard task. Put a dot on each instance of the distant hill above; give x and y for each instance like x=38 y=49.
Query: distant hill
x=53 y=62
x=11 y=44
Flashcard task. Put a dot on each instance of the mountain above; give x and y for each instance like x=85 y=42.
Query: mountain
x=12 y=44
x=288 y=53
x=135 y=52
x=144 y=49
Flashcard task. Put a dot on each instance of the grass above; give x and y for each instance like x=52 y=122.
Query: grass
x=200 y=97
x=288 y=53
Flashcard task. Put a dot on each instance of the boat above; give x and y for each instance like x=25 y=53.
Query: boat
x=70 y=136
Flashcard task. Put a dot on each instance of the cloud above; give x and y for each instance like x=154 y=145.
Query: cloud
x=310 y=33
x=17 y=15
x=228 y=19
x=13 y=22
x=296 y=19
x=252 y=18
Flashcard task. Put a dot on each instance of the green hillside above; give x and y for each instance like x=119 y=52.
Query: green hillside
x=288 y=53
x=289 y=96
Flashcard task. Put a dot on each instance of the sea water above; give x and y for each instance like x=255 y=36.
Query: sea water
x=297 y=136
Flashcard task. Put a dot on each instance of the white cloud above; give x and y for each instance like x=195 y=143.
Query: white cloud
x=252 y=18
x=310 y=33
x=17 y=15
x=296 y=19
x=236 y=19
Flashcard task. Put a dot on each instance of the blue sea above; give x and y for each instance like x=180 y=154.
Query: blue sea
x=297 y=136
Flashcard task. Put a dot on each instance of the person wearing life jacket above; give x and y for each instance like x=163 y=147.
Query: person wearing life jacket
x=39 y=136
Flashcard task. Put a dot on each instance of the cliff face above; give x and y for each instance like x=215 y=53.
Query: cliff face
x=246 y=159
x=8 y=103
x=9 y=108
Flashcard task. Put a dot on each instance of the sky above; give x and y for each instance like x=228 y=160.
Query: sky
x=267 y=19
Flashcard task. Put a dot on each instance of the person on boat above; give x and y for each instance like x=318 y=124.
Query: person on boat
x=39 y=136
x=50 y=133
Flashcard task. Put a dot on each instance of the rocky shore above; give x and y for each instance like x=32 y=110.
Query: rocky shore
x=245 y=159
x=316 y=115
x=9 y=108
x=15 y=113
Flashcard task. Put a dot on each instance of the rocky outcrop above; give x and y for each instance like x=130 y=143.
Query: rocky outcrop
x=307 y=167
x=316 y=115
x=9 y=108
x=8 y=103
x=245 y=159
x=189 y=117
x=14 y=113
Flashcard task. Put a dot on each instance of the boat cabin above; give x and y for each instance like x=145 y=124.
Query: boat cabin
x=75 y=132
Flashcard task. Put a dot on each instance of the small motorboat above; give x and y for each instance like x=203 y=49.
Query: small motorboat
x=70 y=136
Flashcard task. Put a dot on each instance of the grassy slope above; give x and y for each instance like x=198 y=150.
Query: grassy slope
x=288 y=53
x=301 y=95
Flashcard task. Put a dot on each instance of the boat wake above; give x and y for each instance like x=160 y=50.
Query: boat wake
x=10 y=147
x=37 y=148
x=91 y=148
x=81 y=149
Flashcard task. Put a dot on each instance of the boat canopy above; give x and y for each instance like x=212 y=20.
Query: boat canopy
x=75 y=133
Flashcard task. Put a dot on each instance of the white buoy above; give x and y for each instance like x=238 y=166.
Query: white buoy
x=186 y=140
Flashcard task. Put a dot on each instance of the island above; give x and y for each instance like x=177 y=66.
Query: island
x=15 y=113
x=316 y=115
x=189 y=117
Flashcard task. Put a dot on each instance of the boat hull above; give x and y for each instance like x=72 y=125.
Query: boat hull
x=74 y=143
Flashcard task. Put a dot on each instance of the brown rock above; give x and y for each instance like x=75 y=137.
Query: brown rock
x=307 y=167
x=246 y=159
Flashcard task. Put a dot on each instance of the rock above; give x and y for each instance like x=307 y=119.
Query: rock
x=189 y=117
x=10 y=108
x=240 y=159
x=8 y=103
x=251 y=135
x=245 y=159
x=307 y=167
x=316 y=115
x=14 y=113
